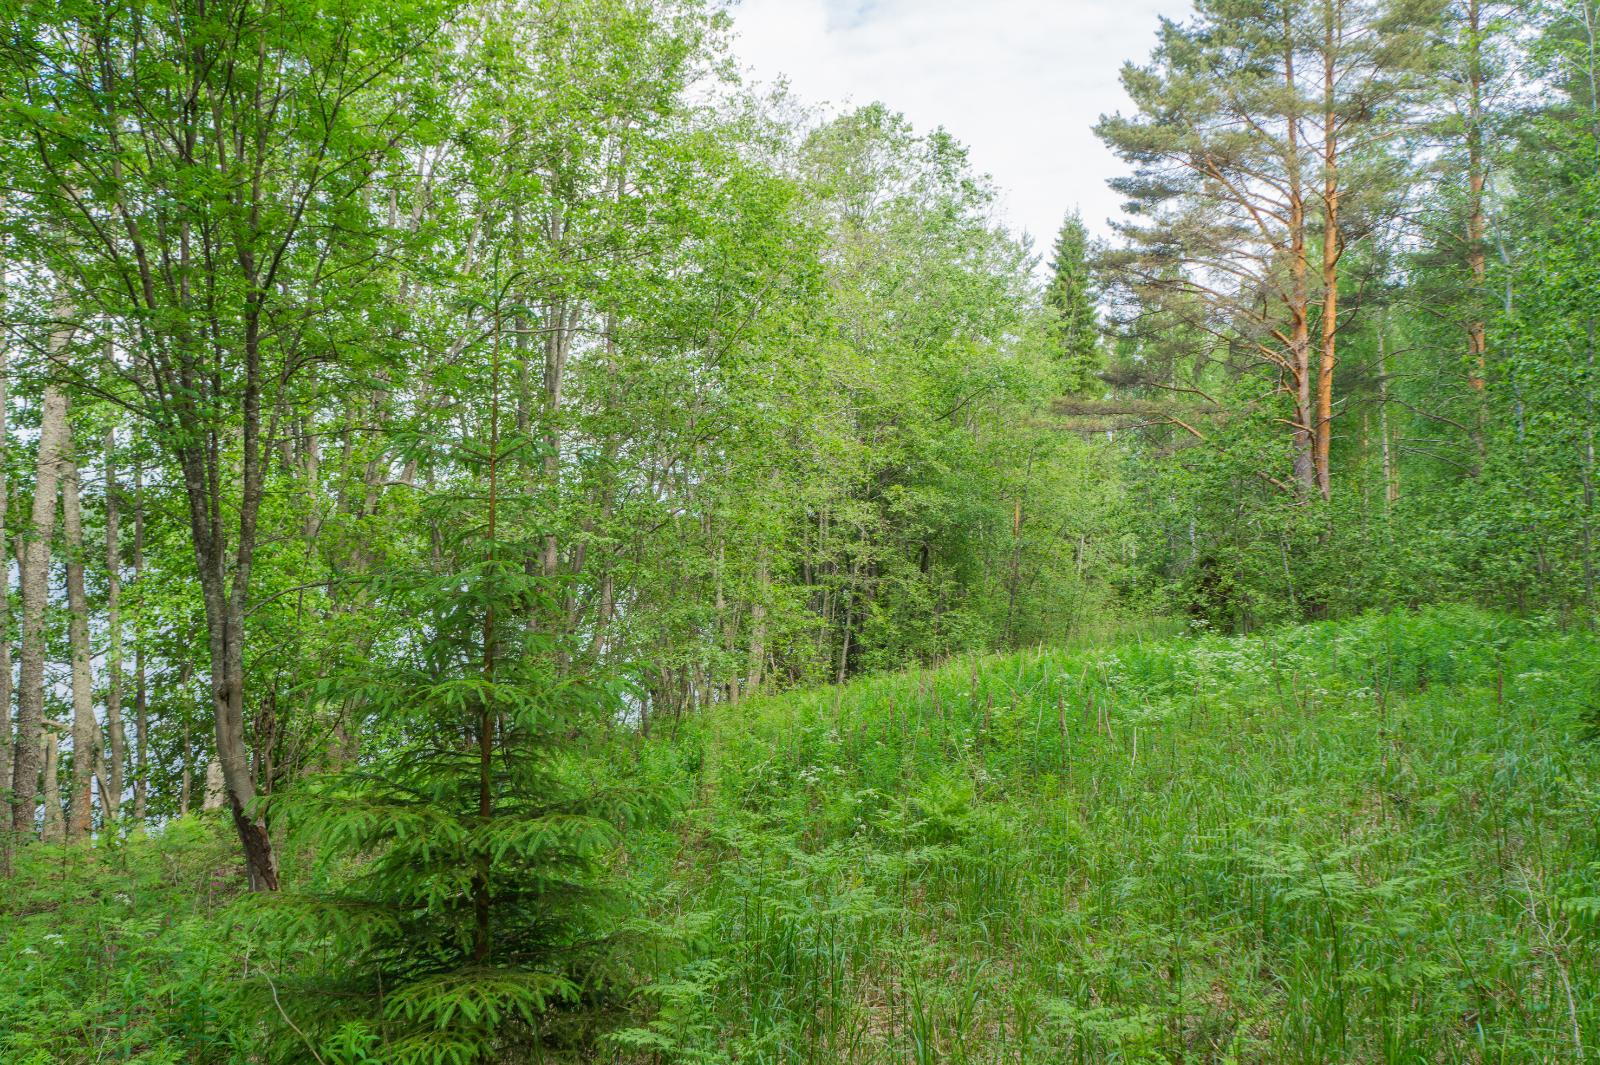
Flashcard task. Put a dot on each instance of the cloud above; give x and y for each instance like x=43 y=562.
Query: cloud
x=1020 y=82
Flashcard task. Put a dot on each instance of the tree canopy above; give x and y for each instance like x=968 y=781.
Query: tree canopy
x=417 y=417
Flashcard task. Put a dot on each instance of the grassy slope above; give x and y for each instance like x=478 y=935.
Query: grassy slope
x=1375 y=840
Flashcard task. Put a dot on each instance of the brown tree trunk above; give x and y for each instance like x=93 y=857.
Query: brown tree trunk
x=1331 y=249
x=228 y=700
x=224 y=587
x=1304 y=432
x=225 y=617
x=34 y=582
x=85 y=729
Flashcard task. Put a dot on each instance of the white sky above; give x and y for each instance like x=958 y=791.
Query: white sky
x=1020 y=82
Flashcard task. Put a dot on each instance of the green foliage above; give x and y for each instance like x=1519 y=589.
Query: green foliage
x=118 y=953
x=1363 y=841
x=1070 y=299
x=463 y=906
x=1463 y=468
x=514 y=405
x=1370 y=840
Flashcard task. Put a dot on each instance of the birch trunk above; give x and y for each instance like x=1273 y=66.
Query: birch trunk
x=5 y=626
x=1477 y=342
x=54 y=828
x=1477 y=170
x=34 y=583
x=85 y=729
x=141 y=708
x=116 y=737
x=1391 y=471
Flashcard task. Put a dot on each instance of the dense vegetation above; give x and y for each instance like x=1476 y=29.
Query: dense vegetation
x=519 y=546
x=1371 y=840
x=1363 y=841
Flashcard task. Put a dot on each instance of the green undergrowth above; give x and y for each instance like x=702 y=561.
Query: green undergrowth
x=119 y=952
x=1375 y=840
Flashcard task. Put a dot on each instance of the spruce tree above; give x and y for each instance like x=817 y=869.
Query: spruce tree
x=463 y=909
x=1074 y=333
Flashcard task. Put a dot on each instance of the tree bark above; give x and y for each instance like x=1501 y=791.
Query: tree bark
x=224 y=593
x=186 y=777
x=85 y=729
x=1477 y=342
x=54 y=828
x=1477 y=334
x=1304 y=431
x=141 y=708
x=1588 y=468
x=1391 y=471
x=558 y=344
x=6 y=735
x=756 y=661
x=34 y=583
x=481 y=887
x=1331 y=250
x=116 y=737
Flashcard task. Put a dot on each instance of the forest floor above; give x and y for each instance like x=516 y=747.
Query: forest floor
x=1375 y=840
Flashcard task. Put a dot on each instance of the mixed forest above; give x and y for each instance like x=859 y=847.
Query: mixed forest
x=520 y=545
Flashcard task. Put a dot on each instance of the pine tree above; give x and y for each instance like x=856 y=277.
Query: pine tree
x=1074 y=332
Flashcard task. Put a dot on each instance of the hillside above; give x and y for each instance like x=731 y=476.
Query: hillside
x=526 y=538
x=1375 y=840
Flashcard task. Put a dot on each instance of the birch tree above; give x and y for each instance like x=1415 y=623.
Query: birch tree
x=199 y=176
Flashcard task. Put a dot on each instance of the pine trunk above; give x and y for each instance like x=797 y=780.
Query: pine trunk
x=1330 y=257
x=1304 y=433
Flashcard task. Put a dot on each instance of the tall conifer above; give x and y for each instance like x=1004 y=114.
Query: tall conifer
x=1075 y=340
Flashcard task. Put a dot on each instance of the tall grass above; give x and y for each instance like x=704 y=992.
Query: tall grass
x=1375 y=841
